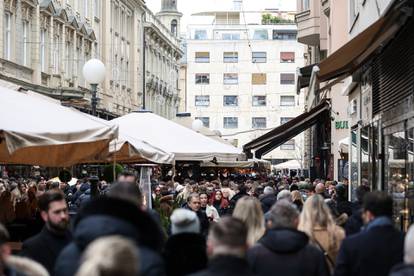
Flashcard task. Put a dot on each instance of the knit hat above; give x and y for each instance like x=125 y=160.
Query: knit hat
x=184 y=221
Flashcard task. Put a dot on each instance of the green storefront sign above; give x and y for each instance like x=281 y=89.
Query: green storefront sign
x=341 y=125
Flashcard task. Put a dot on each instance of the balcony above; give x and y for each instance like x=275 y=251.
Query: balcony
x=308 y=23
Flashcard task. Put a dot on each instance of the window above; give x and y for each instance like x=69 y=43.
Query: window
x=200 y=34
x=230 y=78
x=284 y=35
x=305 y=5
x=289 y=145
x=261 y=34
x=287 y=78
x=7 y=36
x=202 y=78
x=26 y=43
x=86 y=8
x=287 y=100
x=230 y=101
x=43 y=50
x=202 y=57
x=259 y=101
x=259 y=57
x=202 y=100
x=258 y=78
x=96 y=8
x=230 y=36
x=230 y=57
x=259 y=122
x=284 y=120
x=205 y=120
x=230 y=122
x=287 y=56
x=56 y=54
x=174 y=27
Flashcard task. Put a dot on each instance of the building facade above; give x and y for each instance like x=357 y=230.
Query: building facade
x=323 y=28
x=45 y=44
x=241 y=78
x=162 y=60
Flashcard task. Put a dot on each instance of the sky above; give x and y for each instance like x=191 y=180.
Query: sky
x=188 y=7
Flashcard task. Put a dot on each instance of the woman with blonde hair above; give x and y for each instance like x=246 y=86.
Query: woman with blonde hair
x=297 y=199
x=249 y=210
x=317 y=222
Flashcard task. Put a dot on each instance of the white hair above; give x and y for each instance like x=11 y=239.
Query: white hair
x=284 y=194
x=409 y=246
x=268 y=190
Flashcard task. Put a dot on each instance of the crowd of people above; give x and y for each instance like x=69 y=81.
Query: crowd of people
x=266 y=226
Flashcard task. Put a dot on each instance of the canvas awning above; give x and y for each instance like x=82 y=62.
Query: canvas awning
x=237 y=164
x=351 y=56
x=287 y=131
x=34 y=130
x=290 y=165
x=303 y=77
x=184 y=143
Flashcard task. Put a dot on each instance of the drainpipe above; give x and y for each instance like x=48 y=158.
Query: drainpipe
x=143 y=61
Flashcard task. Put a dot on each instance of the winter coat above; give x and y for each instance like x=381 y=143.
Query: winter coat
x=185 y=253
x=106 y=216
x=45 y=247
x=267 y=202
x=287 y=252
x=354 y=223
x=402 y=270
x=322 y=240
x=223 y=265
x=204 y=222
x=20 y=266
x=372 y=252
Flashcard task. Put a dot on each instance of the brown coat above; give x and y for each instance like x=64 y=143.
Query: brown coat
x=322 y=238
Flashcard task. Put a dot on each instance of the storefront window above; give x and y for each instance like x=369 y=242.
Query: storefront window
x=365 y=160
x=354 y=163
x=397 y=177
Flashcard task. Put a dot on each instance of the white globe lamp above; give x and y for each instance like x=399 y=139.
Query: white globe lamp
x=197 y=125
x=94 y=72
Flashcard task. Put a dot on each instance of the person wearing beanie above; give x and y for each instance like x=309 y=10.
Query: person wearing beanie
x=185 y=251
x=267 y=199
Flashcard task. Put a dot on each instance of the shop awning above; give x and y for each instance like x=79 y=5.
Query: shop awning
x=304 y=75
x=287 y=131
x=358 y=50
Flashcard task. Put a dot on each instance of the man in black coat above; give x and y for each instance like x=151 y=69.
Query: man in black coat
x=226 y=245
x=193 y=204
x=46 y=246
x=268 y=199
x=283 y=250
x=107 y=216
x=378 y=247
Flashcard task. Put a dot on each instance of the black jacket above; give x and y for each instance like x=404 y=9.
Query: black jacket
x=204 y=222
x=185 y=253
x=371 y=252
x=267 y=202
x=287 y=252
x=402 y=270
x=45 y=247
x=108 y=216
x=226 y=266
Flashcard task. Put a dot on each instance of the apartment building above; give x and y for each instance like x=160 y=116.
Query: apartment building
x=241 y=77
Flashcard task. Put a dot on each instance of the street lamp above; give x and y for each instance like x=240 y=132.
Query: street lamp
x=197 y=125
x=94 y=72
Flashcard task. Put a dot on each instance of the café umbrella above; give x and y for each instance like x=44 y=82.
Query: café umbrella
x=38 y=131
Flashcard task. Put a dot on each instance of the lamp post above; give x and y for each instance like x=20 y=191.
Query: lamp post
x=94 y=72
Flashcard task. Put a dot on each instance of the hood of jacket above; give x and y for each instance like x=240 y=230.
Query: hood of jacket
x=284 y=240
x=105 y=216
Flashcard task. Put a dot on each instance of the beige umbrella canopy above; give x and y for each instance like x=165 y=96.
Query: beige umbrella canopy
x=37 y=131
